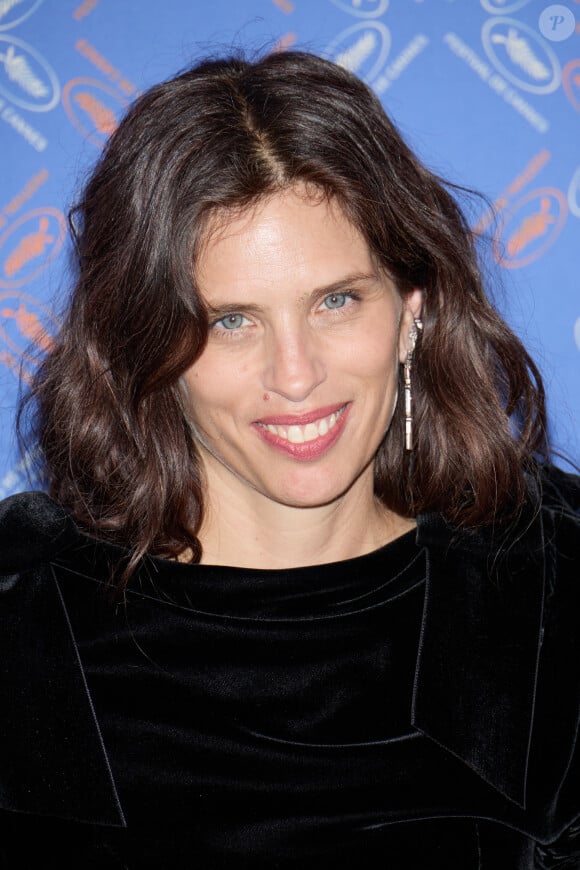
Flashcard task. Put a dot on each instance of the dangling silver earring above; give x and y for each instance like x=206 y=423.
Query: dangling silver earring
x=416 y=327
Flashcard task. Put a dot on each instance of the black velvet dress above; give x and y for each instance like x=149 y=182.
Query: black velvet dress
x=222 y=717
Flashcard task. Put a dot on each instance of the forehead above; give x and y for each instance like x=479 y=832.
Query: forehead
x=292 y=237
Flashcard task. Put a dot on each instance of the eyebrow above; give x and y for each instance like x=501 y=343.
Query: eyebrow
x=346 y=283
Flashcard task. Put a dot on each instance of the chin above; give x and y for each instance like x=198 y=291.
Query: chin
x=310 y=497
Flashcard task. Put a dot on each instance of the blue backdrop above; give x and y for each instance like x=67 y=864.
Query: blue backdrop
x=487 y=92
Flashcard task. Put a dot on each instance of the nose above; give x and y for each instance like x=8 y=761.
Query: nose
x=294 y=363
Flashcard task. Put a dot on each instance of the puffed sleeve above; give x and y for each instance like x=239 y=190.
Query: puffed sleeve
x=52 y=758
x=561 y=516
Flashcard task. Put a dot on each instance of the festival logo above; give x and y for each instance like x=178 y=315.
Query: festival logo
x=94 y=108
x=363 y=49
x=13 y=12
x=26 y=329
x=571 y=82
x=363 y=8
x=503 y=7
x=530 y=227
x=29 y=245
x=26 y=79
x=521 y=56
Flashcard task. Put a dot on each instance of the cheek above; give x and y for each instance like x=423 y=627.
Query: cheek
x=214 y=394
x=200 y=393
x=378 y=357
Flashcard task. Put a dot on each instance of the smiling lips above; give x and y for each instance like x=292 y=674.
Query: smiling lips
x=307 y=436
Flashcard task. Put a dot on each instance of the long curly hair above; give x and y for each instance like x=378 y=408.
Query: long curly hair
x=106 y=407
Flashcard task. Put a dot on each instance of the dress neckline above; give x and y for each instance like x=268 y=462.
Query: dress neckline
x=311 y=591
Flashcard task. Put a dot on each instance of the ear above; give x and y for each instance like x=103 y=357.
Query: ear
x=412 y=308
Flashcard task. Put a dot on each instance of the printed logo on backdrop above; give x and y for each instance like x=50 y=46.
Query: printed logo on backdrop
x=363 y=49
x=362 y=8
x=26 y=79
x=530 y=227
x=521 y=56
x=13 y=12
x=26 y=328
x=503 y=7
x=571 y=82
x=93 y=107
x=574 y=193
x=29 y=245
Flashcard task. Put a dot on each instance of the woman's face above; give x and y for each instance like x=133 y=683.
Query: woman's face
x=297 y=384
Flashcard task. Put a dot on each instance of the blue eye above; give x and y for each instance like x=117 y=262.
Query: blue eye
x=232 y=321
x=335 y=300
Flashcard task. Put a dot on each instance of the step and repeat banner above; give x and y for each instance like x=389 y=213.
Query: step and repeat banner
x=486 y=91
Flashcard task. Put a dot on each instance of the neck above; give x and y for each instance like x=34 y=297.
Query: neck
x=244 y=528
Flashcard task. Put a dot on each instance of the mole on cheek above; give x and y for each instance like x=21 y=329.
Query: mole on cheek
x=266 y=397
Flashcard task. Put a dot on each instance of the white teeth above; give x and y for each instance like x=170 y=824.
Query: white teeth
x=295 y=435
x=310 y=432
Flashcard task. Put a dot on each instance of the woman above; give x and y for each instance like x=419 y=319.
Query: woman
x=302 y=595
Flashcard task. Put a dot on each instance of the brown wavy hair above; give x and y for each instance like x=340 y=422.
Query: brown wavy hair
x=109 y=413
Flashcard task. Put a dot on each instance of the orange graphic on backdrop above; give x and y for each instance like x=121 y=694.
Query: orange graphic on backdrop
x=29 y=325
x=31 y=246
x=285 y=5
x=571 y=82
x=96 y=120
x=24 y=331
x=12 y=363
x=102 y=118
x=40 y=234
x=532 y=227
